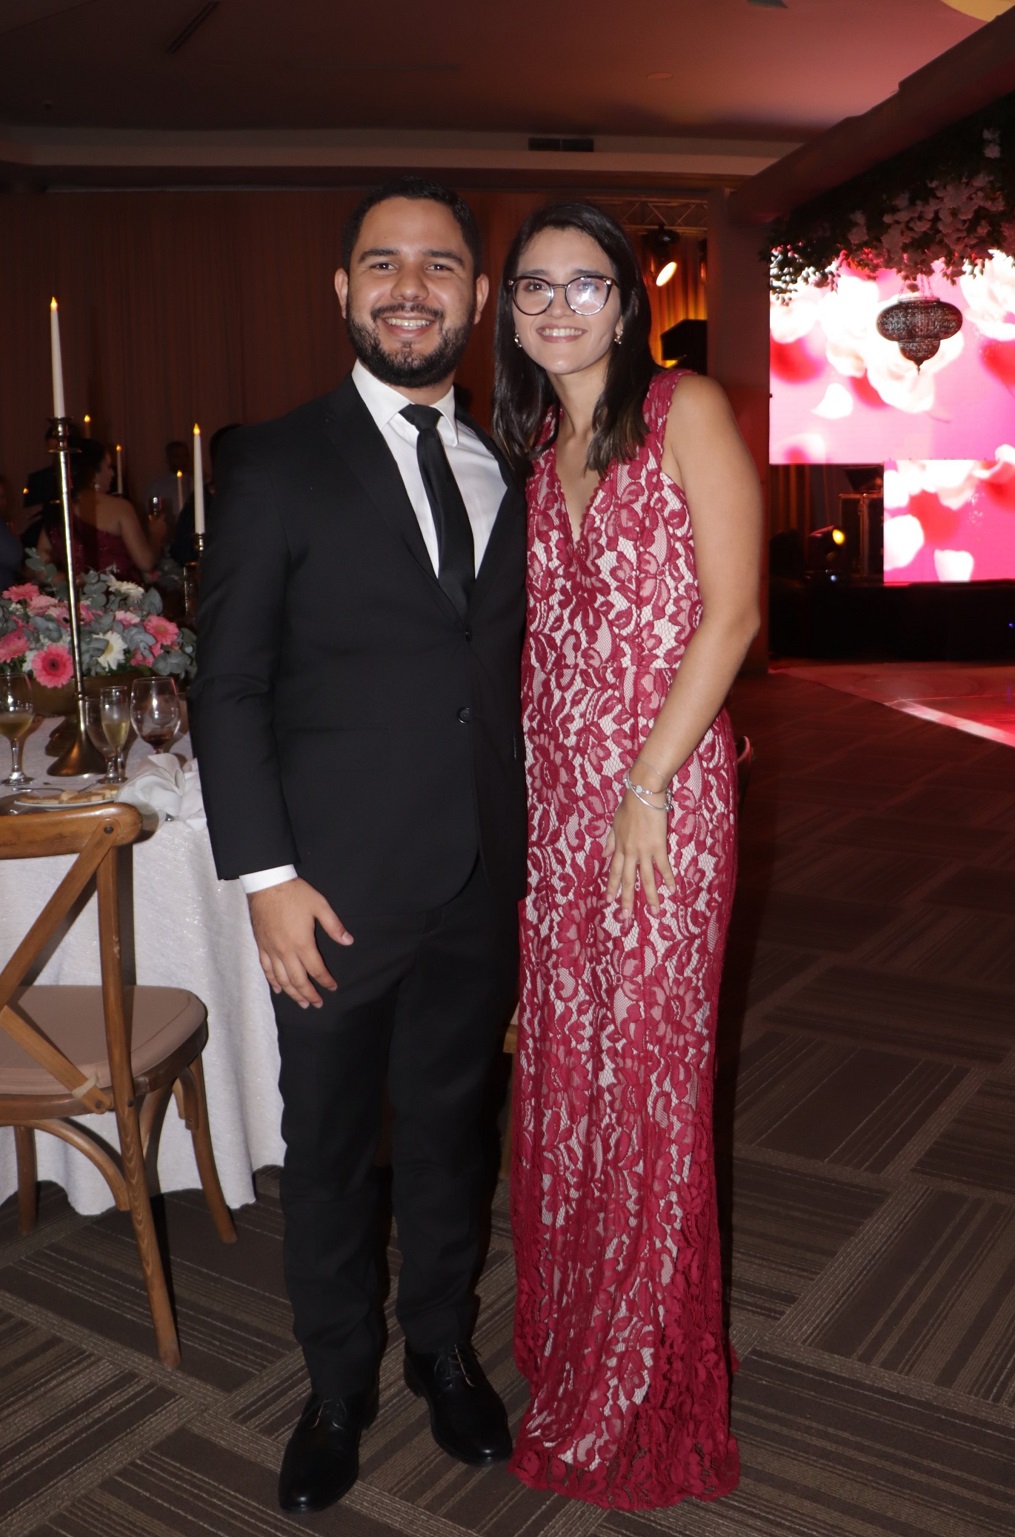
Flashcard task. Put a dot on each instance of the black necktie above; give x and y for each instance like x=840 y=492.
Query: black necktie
x=456 y=569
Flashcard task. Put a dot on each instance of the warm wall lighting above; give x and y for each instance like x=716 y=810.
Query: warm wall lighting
x=665 y=273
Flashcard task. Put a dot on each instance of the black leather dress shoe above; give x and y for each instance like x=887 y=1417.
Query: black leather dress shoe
x=321 y=1462
x=467 y=1418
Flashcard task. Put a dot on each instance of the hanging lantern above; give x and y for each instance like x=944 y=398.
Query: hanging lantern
x=919 y=326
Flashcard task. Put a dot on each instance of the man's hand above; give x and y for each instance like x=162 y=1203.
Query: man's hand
x=283 y=919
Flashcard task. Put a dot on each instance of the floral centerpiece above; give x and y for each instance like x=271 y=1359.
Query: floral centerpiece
x=941 y=207
x=121 y=626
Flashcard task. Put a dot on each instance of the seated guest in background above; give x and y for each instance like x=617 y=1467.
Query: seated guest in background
x=11 y=553
x=182 y=547
x=42 y=495
x=108 y=535
x=164 y=486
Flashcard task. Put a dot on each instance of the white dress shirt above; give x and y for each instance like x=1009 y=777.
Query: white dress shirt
x=479 y=479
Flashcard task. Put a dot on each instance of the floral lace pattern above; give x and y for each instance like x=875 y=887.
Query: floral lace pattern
x=619 y=1313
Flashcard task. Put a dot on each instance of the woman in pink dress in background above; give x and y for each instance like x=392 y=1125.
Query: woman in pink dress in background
x=644 y=547
x=107 y=531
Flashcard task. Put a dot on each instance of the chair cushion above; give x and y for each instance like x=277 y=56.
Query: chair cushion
x=72 y=1017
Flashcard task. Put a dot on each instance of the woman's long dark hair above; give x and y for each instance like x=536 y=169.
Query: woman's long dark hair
x=522 y=392
x=86 y=463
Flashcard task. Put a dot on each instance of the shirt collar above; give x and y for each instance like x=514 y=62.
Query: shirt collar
x=385 y=405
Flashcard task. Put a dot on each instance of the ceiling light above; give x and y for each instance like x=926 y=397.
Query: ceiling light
x=779 y=5
x=983 y=10
x=662 y=244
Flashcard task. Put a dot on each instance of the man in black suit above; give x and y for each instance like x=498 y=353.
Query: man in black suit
x=357 y=728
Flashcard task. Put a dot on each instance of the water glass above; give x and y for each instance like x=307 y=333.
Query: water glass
x=155 y=711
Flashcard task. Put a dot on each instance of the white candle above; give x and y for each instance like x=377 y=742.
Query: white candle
x=179 y=492
x=198 y=483
x=59 y=408
x=119 y=470
x=87 y=423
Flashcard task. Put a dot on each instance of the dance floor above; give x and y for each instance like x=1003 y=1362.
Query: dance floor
x=974 y=697
x=866 y=1152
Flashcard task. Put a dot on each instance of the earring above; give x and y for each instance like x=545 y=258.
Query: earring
x=618 y=335
x=518 y=340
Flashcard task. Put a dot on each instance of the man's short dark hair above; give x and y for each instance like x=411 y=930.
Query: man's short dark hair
x=416 y=188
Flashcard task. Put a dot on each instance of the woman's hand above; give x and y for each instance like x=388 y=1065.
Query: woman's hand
x=636 y=849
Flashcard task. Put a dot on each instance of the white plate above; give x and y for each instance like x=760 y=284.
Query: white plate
x=49 y=798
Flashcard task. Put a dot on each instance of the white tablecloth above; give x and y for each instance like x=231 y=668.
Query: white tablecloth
x=191 y=931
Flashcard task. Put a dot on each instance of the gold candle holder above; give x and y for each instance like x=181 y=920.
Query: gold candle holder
x=78 y=756
x=192 y=583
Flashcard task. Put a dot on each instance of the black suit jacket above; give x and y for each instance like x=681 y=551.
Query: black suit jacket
x=346 y=718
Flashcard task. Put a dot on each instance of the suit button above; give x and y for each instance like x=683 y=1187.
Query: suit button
x=468 y=635
x=465 y=715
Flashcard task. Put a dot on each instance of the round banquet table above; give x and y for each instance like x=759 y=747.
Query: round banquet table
x=190 y=930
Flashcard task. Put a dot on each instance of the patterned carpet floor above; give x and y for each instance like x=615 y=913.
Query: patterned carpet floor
x=866 y=1151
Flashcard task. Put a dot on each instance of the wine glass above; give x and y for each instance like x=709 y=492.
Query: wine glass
x=16 y=716
x=114 y=712
x=155 y=711
x=97 y=736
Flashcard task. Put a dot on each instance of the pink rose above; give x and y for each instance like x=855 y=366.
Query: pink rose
x=43 y=603
x=52 y=666
x=13 y=645
x=22 y=594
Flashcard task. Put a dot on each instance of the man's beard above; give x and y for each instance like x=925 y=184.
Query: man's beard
x=408 y=370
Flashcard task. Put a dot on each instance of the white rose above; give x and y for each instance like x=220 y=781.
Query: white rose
x=990 y=296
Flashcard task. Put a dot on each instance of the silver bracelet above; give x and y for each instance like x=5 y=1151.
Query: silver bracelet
x=642 y=794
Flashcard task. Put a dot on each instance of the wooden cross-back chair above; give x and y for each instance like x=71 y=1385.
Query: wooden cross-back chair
x=67 y=1050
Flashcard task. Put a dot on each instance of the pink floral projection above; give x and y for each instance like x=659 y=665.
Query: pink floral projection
x=843 y=394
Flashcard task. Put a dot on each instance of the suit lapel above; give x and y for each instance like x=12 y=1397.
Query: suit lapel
x=512 y=506
x=356 y=436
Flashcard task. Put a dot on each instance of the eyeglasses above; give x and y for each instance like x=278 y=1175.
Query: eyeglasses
x=585 y=295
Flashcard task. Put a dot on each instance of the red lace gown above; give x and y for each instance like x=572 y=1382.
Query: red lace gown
x=619 y=1326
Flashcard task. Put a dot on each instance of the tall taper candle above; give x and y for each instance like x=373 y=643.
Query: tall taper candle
x=198 y=483
x=179 y=492
x=119 y=469
x=59 y=408
x=86 y=423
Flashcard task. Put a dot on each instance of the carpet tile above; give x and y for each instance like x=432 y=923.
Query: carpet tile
x=865 y=1142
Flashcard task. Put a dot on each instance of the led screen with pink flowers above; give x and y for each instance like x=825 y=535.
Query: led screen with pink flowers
x=843 y=394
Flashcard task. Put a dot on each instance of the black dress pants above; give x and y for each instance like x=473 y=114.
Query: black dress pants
x=421 y=1001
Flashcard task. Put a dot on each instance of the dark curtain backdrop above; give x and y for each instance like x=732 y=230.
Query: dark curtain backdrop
x=182 y=307
x=198 y=306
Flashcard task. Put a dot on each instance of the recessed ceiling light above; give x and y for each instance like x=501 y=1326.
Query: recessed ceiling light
x=776 y=4
x=660 y=74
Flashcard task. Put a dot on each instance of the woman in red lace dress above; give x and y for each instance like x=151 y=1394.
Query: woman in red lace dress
x=644 y=511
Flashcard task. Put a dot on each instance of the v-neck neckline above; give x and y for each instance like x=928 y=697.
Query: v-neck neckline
x=575 y=539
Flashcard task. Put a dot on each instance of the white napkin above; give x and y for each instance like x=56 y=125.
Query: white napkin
x=168 y=790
